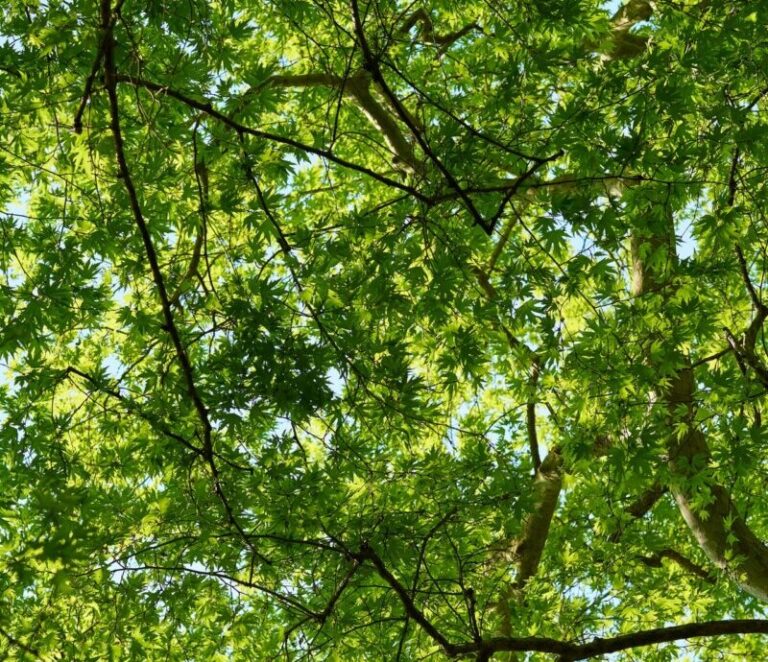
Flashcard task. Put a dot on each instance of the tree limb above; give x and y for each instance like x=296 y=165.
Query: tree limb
x=19 y=644
x=654 y=561
x=623 y=44
x=371 y=64
x=207 y=108
x=426 y=30
x=547 y=484
x=530 y=408
x=131 y=407
x=527 y=550
x=641 y=506
x=568 y=651
x=357 y=86
x=110 y=83
x=716 y=524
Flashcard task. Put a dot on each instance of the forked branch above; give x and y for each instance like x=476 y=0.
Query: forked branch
x=484 y=649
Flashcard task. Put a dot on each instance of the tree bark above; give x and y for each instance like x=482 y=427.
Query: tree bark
x=714 y=520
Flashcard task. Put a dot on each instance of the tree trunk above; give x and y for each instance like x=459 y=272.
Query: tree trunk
x=713 y=518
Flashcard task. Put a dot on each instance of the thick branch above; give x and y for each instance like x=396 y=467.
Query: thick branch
x=624 y=44
x=381 y=119
x=641 y=506
x=548 y=479
x=716 y=524
x=568 y=651
x=761 y=310
x=621 y=43
x=357 y=87
x=719 y=528
x=315 y=79
x=546 y=491
x=427 y=32
x=499 y=247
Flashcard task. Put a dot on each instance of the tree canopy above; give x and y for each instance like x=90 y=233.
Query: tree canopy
x=383 y=330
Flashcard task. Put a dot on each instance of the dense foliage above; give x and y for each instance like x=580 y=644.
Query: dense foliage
x=378 y=330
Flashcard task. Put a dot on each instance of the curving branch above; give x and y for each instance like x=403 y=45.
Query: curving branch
x=14 y=641
x=568 y=651
x=527 y=550
x=546 y=491
x=716 y=524
x=382 y=120
x=530 y=413
x=131 y=407
x=358 y=87
x=426 y=30
x=622 y=43
x=110 y=81
x=371 y=65
x=192 y=268
x=640 y=507
x=744 y=350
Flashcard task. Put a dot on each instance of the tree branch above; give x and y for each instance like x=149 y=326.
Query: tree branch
x=546 y=490
x=641 y=506
x=131 y=407
x=569 y=652
x=427 y=29
x=357 y=86
x=201 y=179
x=547 y=483
x=461 y=122
x=756 y=301
x=110 y=79
x=371 y=64
x=110 y=83
x=530 y=408
x=367 y=553
x=207 y=108
x=744 y=350
x=654 y=561
x=624 y=44
x=18 y=643
x=717 y=525
x=104 y=43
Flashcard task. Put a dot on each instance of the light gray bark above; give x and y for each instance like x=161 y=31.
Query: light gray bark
x=712 y=517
